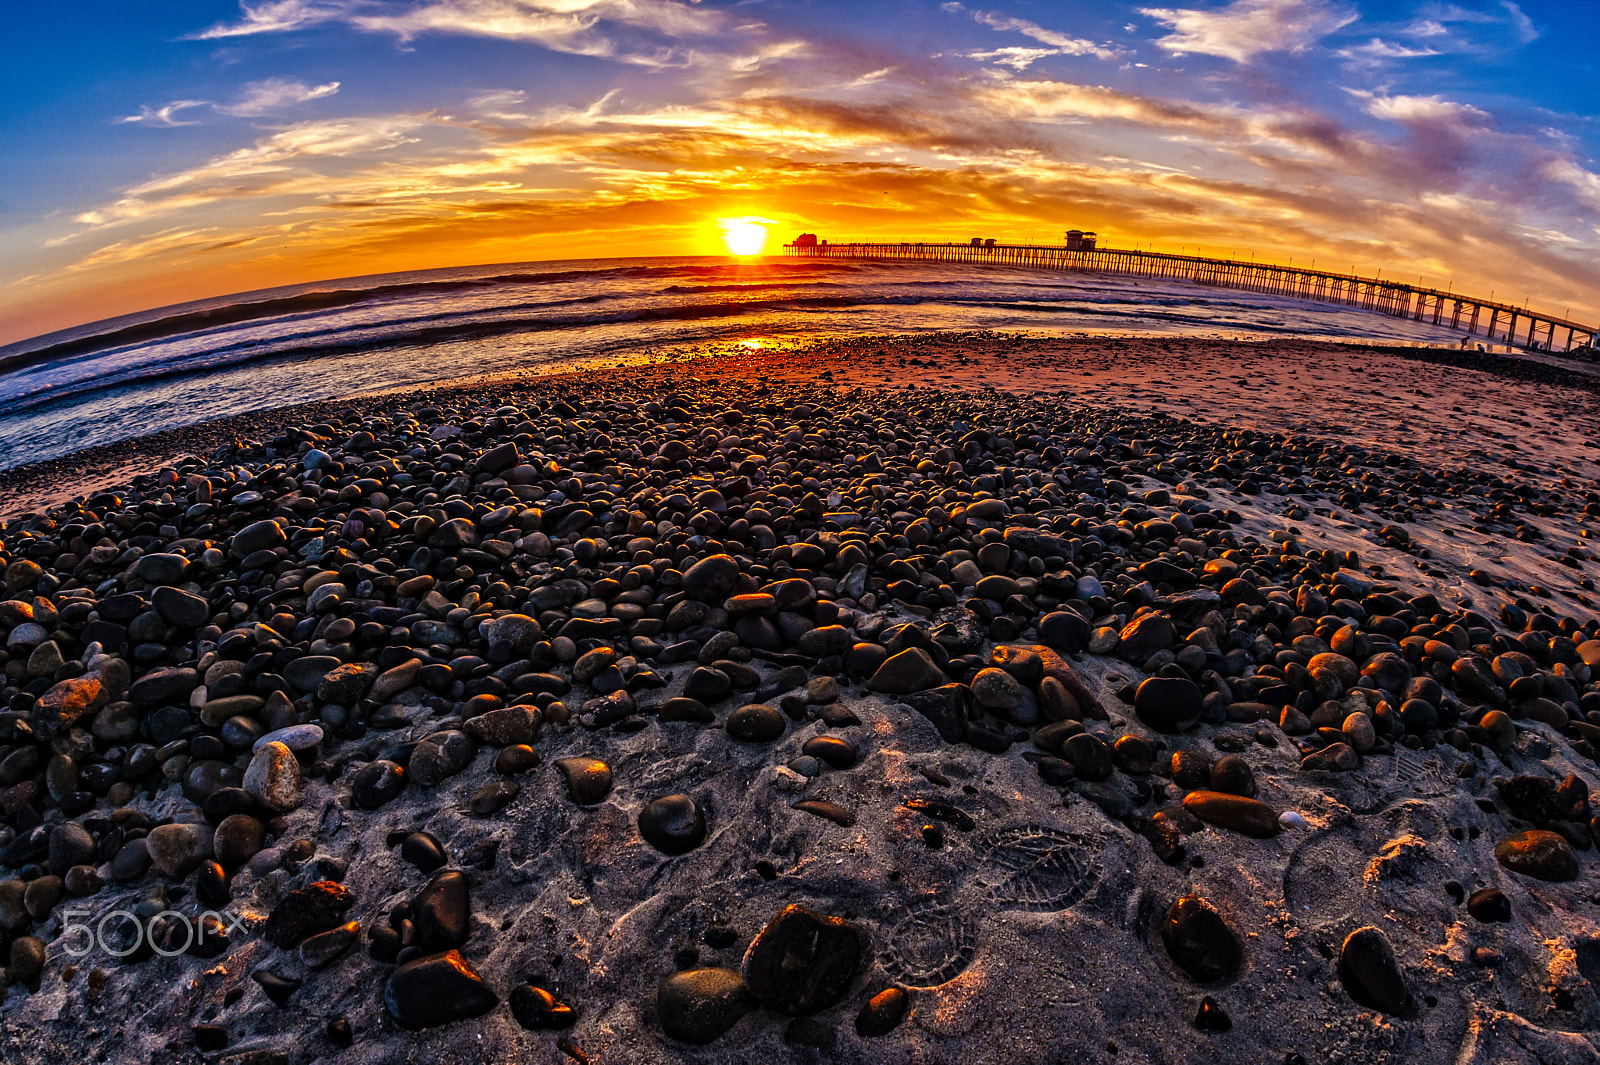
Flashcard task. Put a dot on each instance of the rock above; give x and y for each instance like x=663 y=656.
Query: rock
x=1538 y=853
x=588 y=779
x=1168 y=704
x=324 y=948
x=912 y=670
x=159 y=568
x=1489 y=906
x=1212 y=1017
x=377 y=783
x=161 y=687
x=1199 y=941
x=1144 y=636
x=506 y=727
x=273 y=778
x=258 y=536
x=520 y=630
x=1065 y=631
x=1334 y=758
x=672 y=825
x=756 y=723
x=699 y=1005
x=346 y=684
x=995 y=689
x=493 y=796
x=442 y=911
x=882 y=1013
x=422 y=850
x=1232 y=774
x=947 y=706
x=180 y=609
x=838 y=752
x=70 y=845
x=237 y=839
x=437 y=989
x=307 y=911
x=177 y=850
x=297 y=738
x=802 y=961
x=68 y=700
x=305 y=674
x=440 y=756
x=538 y=1010
x=1234 y=812
x=1370 y=973
x=712 y=579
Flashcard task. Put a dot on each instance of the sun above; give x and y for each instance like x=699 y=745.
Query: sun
x=746 y=235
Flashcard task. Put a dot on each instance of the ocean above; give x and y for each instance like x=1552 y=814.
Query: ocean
x=162 y=369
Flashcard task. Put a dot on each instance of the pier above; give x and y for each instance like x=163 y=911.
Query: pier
x=1497 y=323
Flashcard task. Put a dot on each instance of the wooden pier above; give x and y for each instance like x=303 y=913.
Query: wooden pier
x=1497 y=323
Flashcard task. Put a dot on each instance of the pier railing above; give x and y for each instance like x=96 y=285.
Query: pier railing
x=1498 y=323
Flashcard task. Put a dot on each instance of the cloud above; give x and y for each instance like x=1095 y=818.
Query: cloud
x=1520 y=22
x=1059 y=43
x=273 y=95
x=1247 y=28
x=1423 y=109
x=1016 y=58
x=1377 y=51
x=162 y=117
x=560 y=25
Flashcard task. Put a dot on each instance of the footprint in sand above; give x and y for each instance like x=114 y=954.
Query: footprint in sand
x=1034 y=868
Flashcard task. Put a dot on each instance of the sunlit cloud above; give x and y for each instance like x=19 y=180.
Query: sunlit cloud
x=1377 y=51
x=274 y=95
x=1246 y=28
x=162 y=117
x=1059 y=43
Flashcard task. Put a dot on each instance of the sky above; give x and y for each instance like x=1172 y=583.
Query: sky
x=152 y=154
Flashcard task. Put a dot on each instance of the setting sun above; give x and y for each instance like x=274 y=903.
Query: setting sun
x=744 y=236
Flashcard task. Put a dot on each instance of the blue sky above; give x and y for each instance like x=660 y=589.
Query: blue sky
x=163 y=152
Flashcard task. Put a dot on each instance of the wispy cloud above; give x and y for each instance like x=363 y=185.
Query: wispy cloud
x=1058 y=43
x=1247 y=28
x=575 y=26
x=273 y=95
x=162 y=117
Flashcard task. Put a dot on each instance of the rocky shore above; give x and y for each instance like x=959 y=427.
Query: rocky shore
x=838 y=703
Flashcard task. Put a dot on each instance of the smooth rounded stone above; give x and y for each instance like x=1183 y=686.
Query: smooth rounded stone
x=1191 y=769
x=912 y=670
x=273 y=778
x=707 y=685
x=177 y=850
x=803 y=961
x=674 y=824
x=882 y=1013
x=1370 y=972
x=305 y=674
x=519 y=630
x=995 y=689
x=1199 y=941
x=440 y=756
x=1538 y=853
x=683 y=708
x=160 y=568
x=1112 y=800
x=825 y=640
x=491 y=797
x=346 y=684
x=588 y=779
x=1144 y=636
x=27 y=961
x=70 y=844
x=1359 y=728
x=297 y=738
x=436 y=989
x=257 y=536
x=1066 y=631
x=700 y=1005
x=422 y=850
x=1052 y=736
x=1232 y=774
x=131 y=862
x=755 y=723
x=377 y=783
x=441 y=914
x=42 y=895
x=1489 y=906
x=518 y=758
x=14 y=915
x=179 y=608
x=82 y=881
x=1249 y=816
x=837 y=751
x=1090 y=756
x=237 y=839
x=1168 y=704
x=306 y=911
x=162 y=686
x=1134 y=755
x=1334 y=758
x=505 y=727
x=712 y=579
x=324 y=948
x=537 y=1010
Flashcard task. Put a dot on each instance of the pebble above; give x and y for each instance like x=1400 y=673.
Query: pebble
x=673 y=825
x=177 y=850
x=436 y=989
x=1489 y=906
x=304 y=912
x=755 y=723
x=441 y=913
x=1249 y=816
x=588 y=779
x=1370 y=973
x=1199 y=941
x=1168 y=704
x=538 y=1010
x=1539 y=853
x=803 y=961
x=273 y=777
x=700 y=1005
x=882 y=1013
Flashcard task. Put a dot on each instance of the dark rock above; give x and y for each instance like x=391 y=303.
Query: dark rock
x=699 y=1005
x=436 y=989
x=756 y=723
x=314 y=908
x=882 y=1013
x=588 y=779
x=672 y=825
x=912 y=670
x=377 y=783
x=1490 y=906
x=1370 y=973
x=442 y=911
x=538 y=1010
x=1234 y=812
x=802 y=961
x=1199 y=941
x=1168 y=704
x=1538 y=853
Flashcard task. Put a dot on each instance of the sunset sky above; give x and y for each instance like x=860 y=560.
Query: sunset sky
x=157 y=153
